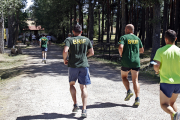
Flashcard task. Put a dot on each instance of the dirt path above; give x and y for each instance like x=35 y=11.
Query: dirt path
x=42 y=93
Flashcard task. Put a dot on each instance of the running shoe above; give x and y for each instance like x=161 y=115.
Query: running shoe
x=176 y=116
x=45 y=61
x=128 y=96
x=76 y=108
x=137 y=102
x=42 y=61
x=84 y=114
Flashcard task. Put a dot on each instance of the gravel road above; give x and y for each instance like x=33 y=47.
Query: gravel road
x=42 y=93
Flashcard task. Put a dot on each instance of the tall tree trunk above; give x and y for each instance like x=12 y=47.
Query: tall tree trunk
x=165 y=17
x=172 y=15
x=117 y=23
x=17 y=26
x=147 y=46
x=126 y=10
x=71 y=21
x=156 y=29
x=91 y=19
x=151 y=27
x=143 y=26
x=99 y=20
x=108 y=21
x=11 y=30
x=123 y=19
x=177 y=18
x=75 y=22
x=135 y=18
x=1 y=34
x=102 y=34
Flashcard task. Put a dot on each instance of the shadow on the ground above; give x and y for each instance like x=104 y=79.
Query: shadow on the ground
x=70 y=116
x=56 y=67
x=48 y=116
x=106 y=105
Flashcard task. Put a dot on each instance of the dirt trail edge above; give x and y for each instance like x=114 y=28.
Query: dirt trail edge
x=42 y=93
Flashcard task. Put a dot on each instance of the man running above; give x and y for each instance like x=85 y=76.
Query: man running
x=79 y=49
x=168 y=66
x=129 y=48
x=43 y=41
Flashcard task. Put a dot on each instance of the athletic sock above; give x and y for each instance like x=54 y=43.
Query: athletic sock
x=174 y=114
x=128 y=91
x=137 y=98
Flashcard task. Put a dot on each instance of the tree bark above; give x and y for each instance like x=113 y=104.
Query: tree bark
x=75 y=22
x=123 y=19
x=99 y=20
x=108 y=22
x=102 y=34
x=165 y=17
x=91 y=19
x=147 y=46
x=71 y=21
x=177 y=19
x=117 y=23
x=156 y=29
x=11 y=30
x=143 y=26
x=1 y=35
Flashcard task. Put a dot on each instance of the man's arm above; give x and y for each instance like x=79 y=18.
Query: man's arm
x=121 y=46
x=90 y=52
x=40 y=43
x=157 y=67
x=141 y=50
x=65 y=54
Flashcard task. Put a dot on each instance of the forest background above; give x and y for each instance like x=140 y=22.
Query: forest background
x=102 y=20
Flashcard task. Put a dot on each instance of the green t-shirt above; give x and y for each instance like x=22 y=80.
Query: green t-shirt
x=78 y=47
x=44 y=41
x=169 y=56
x=130 y=56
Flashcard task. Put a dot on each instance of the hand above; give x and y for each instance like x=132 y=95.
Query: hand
x=65 y=62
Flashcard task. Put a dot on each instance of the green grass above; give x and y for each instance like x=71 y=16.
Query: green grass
x=9 y=65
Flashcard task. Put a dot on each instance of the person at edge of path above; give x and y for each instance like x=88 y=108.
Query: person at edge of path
x=79 y=48
x=129 y=48
x=168 y=66
x=34 y=39
x=49 y=38
x=43 y=41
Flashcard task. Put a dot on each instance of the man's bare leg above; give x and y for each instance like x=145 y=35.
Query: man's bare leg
x=84 y=95
x=168 y=104
x=73 y=91
x=124 y=76
x=134 y=75
x=43 y=55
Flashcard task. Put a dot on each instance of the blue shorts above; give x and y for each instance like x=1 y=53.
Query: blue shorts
x=169 y=89
x=44 y=49
x=82 y=74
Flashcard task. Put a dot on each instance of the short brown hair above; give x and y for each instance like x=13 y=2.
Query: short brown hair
x=77 y=28
x=170 y=35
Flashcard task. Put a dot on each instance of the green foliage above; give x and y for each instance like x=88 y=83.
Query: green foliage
x=52 y=14
x=10 y=6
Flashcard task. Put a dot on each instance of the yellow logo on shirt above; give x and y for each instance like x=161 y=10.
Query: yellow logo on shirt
x=79 y=41
x=43 y=39
x=132 y=41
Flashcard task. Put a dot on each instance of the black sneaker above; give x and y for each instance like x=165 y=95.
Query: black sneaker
x=76 y=108
x=84 y=114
